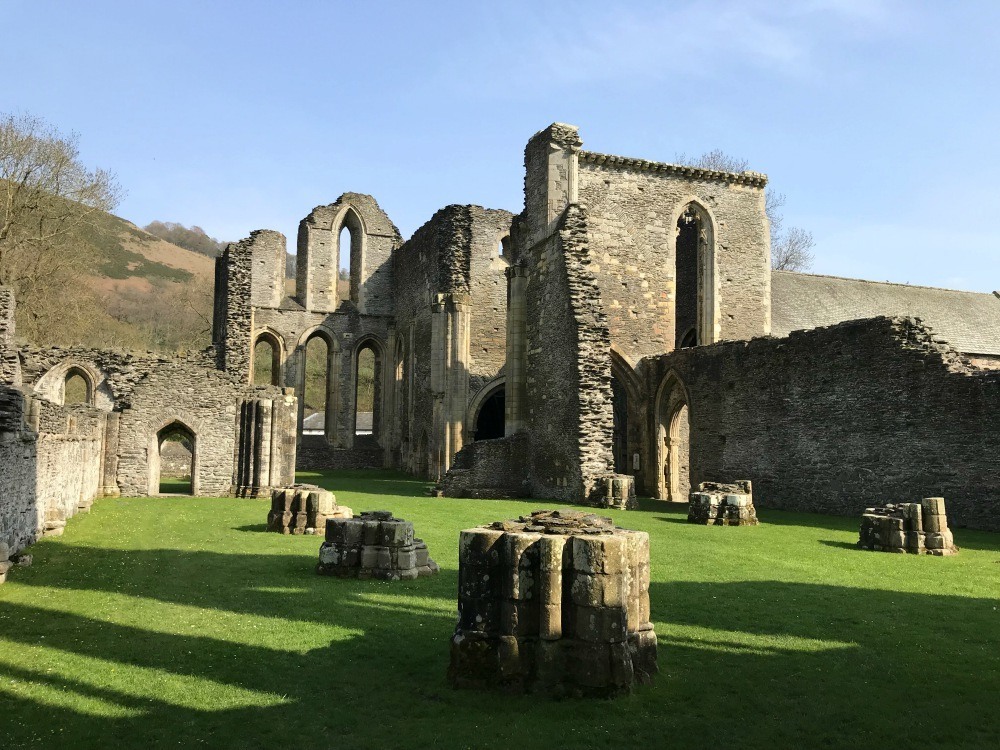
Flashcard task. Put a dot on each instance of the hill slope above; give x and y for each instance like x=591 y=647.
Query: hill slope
x=139 y=292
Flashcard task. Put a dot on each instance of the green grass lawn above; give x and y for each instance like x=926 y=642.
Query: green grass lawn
x=180 y=622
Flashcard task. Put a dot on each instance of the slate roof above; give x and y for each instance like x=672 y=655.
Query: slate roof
x=969 y=321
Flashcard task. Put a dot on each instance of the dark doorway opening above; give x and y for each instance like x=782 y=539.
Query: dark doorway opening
x=490 y=423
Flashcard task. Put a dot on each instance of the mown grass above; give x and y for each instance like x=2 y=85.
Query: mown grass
x=179 y=622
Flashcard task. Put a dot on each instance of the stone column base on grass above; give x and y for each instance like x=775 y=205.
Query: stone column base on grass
x=373 y=545
x=716 y=504
x=303 y=509
x=917 y=528
x=557 y=603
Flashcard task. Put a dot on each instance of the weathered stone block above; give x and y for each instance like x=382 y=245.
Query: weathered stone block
x=574 y=594
x=917 y=528
x=394 y=554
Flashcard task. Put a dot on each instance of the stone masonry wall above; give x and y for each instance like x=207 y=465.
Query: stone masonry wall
x=569 y=368
x=632 y=210
x=204 y=401
x=374 y=238
x=47 y=476
x=233 y=315
x=10 y=369
x=837 y=419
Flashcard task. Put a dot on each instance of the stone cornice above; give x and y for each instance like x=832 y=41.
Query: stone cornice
x=754 y=179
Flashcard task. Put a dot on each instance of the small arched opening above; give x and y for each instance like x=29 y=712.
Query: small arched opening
x=490 y=422
x=77 y=387
x=267 y=360
x=174 y=465
x=694 y=278
x=367 y=395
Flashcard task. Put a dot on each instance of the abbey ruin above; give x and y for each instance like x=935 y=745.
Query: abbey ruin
x=623 y=334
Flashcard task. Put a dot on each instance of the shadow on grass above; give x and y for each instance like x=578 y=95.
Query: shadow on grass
x=842 y=545
x=804 y=663
x=253 y=527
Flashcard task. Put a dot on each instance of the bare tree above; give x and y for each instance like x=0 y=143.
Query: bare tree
x=791 y=249
x=47 y=196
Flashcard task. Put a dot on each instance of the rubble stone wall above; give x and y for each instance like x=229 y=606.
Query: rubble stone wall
x=10 y=366
x=838 y=419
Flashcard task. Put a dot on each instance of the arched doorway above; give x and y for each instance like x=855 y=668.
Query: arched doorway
x=490 y=422
x=619 y=410
x=673 y=441
x=173 y=467
x=694 y=278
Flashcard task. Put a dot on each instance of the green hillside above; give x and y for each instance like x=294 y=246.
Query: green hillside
x=139 y=292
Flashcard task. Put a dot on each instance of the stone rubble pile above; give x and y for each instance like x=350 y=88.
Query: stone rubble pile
x=556 y=602
x=373 y=545
x=716 y=504
x=917 y=528
x=303 y=509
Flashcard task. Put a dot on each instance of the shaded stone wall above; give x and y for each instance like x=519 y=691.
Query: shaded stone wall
x=837 y=419
x=233 y=315
x=633 y=207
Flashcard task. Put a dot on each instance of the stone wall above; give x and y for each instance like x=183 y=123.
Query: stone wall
x=48 y=474
x=837 y=419
x=373 y=239
x=10 y=367
x=633 y=207
x=490 y=468
x=232 y=323
x=204 y=402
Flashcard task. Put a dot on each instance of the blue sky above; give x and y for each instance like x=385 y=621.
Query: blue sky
x=877 y=119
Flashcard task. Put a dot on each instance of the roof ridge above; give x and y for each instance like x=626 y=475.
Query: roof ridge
x=746 y=177
x=885 y=283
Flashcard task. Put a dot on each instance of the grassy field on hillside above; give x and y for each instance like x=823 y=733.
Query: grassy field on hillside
x=180 y=622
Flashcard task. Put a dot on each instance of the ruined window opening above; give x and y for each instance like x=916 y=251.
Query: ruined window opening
x=77 y=388
x=266 y=361
x=490 y=421
x=694 y=279
x=367 y=394
x=175 y=460
x=619 y=409
x=503 y=248
x=350 y=252
x=344 y=272
x=315 y=385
